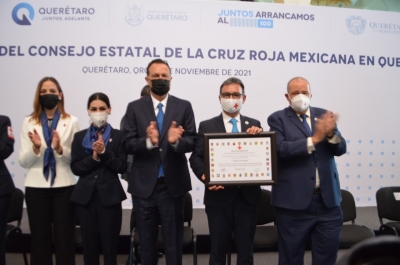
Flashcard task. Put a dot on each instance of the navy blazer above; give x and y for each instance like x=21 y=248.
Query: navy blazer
x=145 y=167
x=6 y=149
x=297 y=168
x=224 y=197
x=103 y=175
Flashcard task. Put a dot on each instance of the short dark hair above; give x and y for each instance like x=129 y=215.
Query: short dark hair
x=100 y=96
x=232 y=80
x=145 y=91
x=160 y=61
x=298 y=77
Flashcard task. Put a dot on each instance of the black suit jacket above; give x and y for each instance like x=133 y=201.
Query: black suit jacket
x=226 y=196
x=145 y=167
x=6 y=149
x=103 y=175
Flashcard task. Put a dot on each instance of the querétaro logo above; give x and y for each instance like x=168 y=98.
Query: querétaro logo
x=23 y=21
x=355 y=25
x=134 y=15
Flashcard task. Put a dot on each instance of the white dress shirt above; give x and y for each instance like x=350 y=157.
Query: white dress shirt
x=310 y=146
x=228 y=125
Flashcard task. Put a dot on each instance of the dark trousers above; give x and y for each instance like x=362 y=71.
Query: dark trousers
x=321 y=224
x=5 y=201
x=240 y=218
x=133 y=217
x=50 y=210
x=100 y=226
x=161 y=205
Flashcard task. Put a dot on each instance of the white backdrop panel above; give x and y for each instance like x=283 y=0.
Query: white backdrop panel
x=263 y=44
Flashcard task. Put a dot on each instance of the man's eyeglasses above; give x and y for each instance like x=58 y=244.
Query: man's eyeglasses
x=228 y=95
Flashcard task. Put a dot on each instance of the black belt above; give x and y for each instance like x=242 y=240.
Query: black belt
x=317 y=191
x=161 y=179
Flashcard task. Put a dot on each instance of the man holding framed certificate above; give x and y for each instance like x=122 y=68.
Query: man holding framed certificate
x=230 y=208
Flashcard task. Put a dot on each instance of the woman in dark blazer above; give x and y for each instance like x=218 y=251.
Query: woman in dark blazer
x=6 y=183
x=97 y=158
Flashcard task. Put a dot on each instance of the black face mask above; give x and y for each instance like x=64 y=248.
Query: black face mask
x=49 y=101
x=160 y=87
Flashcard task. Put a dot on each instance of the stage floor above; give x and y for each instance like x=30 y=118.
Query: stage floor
x=367 y=216
x=260 y=258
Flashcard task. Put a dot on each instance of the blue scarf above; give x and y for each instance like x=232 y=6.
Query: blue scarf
x=49 y=161
x=91 y=137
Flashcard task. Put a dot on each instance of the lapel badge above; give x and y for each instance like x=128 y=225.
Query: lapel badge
x=110 y=140
x=315 y=118
x=246 y=122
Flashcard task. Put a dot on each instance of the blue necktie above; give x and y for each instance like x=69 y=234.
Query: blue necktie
x=160 y=119
x=234 y=128
x=304 y=118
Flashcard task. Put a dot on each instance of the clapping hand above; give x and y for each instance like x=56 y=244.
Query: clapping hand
x=174 y=133
x=152 y=133
x=35 y=139
x=98 y=146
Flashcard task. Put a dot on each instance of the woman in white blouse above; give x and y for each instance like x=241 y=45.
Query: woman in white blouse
x=45 y=151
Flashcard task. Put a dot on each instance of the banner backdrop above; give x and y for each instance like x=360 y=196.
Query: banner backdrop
x=351 y=58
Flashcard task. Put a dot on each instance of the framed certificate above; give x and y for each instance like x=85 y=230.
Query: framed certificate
x=240 y=159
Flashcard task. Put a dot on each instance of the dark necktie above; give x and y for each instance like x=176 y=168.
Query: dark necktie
x=304 y=118
x=160 y=119
x=234 y=128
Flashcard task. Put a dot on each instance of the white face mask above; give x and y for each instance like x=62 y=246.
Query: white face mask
x=231 y=105
x=99 y=119
x=300 y=102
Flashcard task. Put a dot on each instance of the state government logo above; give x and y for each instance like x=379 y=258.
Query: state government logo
x=134 y=15
x=356 y=25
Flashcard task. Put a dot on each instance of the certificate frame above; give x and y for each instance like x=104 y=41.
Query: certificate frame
x=229 y=152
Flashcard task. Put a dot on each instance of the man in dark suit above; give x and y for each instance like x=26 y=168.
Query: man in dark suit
x=143 y=93
x=158 y=131
x=6 y=183
x=229 y=208
x=307 y=197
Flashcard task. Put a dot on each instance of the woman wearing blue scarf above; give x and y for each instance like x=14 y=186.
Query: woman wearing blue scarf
x=97 y=158
x=45 y=151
